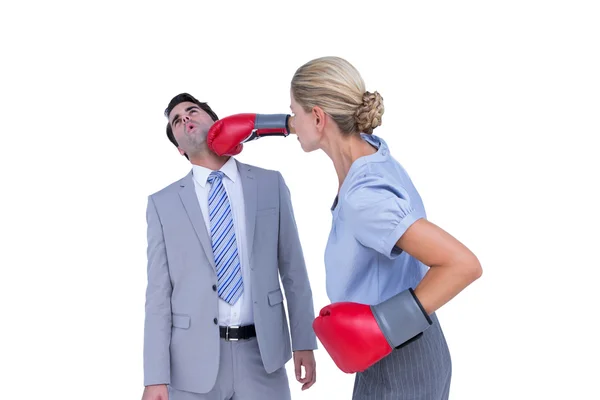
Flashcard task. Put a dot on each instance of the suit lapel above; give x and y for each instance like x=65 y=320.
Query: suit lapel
x=192 y=207
x=250 y=202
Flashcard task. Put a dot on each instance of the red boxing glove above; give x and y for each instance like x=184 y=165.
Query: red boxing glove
x=356 y=336
x=351 y=336
x=227 y=135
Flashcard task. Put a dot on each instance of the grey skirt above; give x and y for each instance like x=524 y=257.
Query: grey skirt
x=420 y=370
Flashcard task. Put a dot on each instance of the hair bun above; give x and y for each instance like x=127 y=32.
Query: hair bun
x=369 y=113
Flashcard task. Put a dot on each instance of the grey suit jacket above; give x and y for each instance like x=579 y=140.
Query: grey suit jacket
x=181 y=331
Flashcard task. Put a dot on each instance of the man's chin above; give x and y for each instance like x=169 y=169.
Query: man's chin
x=197 y=149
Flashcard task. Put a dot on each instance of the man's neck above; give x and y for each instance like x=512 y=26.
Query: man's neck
x=210 y=161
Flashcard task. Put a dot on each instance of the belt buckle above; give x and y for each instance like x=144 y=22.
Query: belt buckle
x=227 y=338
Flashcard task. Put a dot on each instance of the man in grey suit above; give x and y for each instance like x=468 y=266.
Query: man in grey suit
x=219 y=241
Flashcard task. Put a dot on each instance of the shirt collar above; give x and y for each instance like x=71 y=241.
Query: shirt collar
x=201 y=173
x=376 y=141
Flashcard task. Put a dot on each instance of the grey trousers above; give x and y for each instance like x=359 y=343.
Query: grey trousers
x=241 y=376
x=421 y=370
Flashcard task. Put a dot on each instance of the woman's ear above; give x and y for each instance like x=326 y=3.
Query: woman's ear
x=319 y=117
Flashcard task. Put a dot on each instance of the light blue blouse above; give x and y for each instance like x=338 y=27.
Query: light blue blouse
x=376 y=203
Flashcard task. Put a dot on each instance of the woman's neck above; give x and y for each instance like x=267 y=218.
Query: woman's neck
x=344 y=150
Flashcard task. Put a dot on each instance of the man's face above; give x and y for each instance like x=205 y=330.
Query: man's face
x=190 y=125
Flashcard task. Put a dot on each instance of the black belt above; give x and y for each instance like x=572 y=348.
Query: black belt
x=237 y=332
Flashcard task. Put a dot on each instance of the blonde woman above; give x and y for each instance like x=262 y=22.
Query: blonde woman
x=388 y=268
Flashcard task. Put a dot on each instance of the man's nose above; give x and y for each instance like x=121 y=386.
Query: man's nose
x=186 y=118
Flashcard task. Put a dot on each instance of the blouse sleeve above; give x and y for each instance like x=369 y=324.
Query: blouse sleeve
x=379 y=213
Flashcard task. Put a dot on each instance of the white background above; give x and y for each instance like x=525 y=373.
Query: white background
x=493 y=108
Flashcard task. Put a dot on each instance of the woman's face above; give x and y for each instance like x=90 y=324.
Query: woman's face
x=304 y=123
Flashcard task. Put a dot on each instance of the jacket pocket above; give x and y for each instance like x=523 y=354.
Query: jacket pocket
x=181 y=321
x=266 y=211
x=275 y=297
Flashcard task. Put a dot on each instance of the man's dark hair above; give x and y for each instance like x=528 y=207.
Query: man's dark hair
x=181 y=98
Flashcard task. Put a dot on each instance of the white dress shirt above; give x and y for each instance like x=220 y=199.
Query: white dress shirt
x=240 y=313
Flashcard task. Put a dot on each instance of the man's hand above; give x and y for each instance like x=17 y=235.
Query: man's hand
x=156 y=392
x=306 y=359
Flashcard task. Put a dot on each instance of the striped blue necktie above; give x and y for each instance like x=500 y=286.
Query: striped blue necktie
x=222 y=232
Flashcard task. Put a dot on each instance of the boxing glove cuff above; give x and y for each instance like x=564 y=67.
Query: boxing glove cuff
x=269 y=125
x=272 y=121
x=401 y=318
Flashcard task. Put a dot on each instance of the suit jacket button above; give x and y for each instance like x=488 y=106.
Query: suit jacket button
x=214 y=288
x=215 y=321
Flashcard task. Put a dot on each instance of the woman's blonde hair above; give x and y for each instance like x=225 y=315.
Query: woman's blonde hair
x=334 y=85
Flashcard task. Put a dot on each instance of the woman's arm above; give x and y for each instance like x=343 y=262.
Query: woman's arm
x=453 y=266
